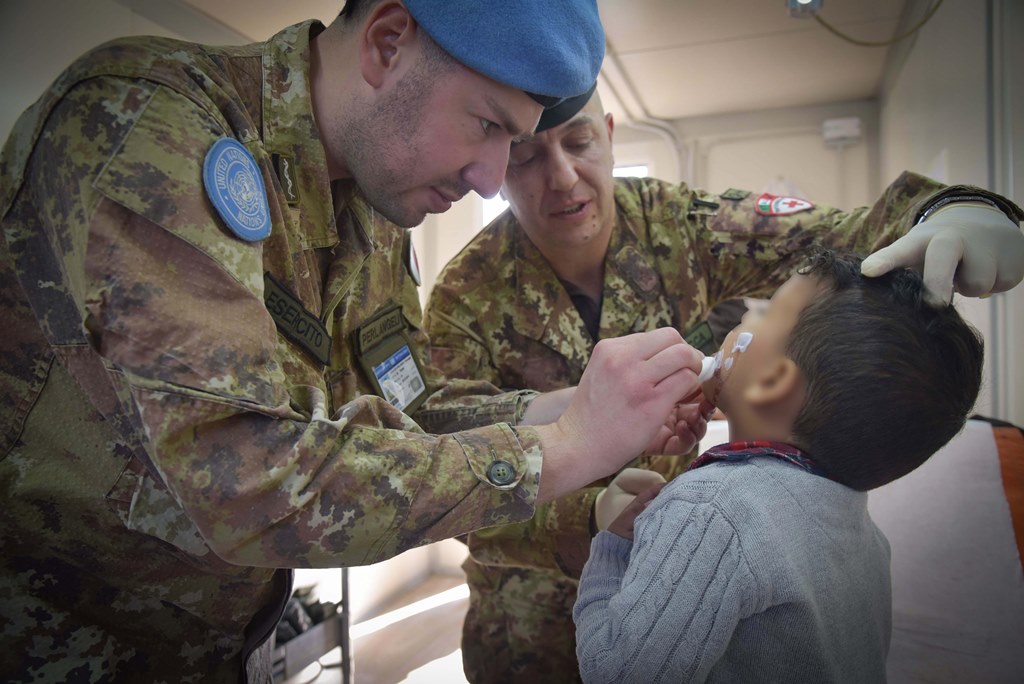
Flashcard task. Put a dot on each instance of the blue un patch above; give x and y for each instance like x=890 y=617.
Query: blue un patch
x=235 y=186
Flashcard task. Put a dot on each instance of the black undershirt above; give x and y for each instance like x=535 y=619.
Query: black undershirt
x=589 y=310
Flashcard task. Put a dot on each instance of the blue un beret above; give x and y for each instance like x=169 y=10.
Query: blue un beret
x=551 y=50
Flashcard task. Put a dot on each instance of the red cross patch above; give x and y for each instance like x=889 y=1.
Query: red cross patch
x=772 y=205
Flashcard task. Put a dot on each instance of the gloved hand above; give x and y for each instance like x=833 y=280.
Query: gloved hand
x=621 y=492
x=970 y=246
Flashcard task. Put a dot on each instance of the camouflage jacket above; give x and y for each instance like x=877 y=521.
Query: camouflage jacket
x=499 y=313
x=164 y=446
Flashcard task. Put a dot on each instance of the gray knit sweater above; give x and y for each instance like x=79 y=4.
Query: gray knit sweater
x=740 y=572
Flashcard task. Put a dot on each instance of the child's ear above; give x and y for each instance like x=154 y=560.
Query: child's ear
x=777 y=382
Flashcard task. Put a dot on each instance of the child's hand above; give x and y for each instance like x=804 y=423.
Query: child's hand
x=623 y=524
x=685 y=426
x=621 y=491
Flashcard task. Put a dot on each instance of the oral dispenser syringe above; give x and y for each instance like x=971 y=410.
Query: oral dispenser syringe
x=708 y=367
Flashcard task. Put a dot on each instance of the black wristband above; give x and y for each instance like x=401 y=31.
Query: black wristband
x=951 y=199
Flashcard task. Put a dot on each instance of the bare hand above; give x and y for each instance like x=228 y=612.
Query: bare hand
x=621 y=492
x=970 y=248
x=623 y=524
x=685 y=427
x=630 y=385
x=547 y=407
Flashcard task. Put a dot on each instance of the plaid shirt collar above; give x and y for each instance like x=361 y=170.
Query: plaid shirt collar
x=742 y=451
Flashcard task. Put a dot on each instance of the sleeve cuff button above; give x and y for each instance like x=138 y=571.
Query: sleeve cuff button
x=501 y=473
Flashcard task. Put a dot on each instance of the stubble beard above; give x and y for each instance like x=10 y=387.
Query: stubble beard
x=382 y=148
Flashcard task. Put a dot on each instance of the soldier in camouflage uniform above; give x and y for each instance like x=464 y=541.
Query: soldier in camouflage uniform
x=202 y=313
x=520 y=306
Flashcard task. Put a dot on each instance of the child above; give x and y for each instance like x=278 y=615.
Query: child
x=760 y=563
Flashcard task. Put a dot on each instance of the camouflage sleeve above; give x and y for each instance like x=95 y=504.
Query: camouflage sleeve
x=558 y=536
x=747 y=247
x=268 y=476
x=459 y=404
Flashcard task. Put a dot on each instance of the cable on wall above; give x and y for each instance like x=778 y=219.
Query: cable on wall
x=613 y=75
x=880 y=43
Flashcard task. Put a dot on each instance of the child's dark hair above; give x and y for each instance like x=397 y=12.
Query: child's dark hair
x=890 y=379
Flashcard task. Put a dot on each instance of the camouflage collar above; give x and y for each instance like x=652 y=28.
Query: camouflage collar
x=289 y=128
x=630 y=279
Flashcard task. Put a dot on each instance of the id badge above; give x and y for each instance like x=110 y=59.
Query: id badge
x=385 y=353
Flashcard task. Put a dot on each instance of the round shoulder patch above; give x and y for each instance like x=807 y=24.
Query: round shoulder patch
x=235 y=187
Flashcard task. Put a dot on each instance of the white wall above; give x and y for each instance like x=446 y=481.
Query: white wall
x=1009 y=180
x=631 y=147
x=783 y=151
x=441 y=236
x=935 y=118
x=39 y=38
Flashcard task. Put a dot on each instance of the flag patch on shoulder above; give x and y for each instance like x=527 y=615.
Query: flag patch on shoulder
x=773 y=205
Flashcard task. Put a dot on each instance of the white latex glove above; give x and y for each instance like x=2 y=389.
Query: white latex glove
x=971 y=248
x=621 y=492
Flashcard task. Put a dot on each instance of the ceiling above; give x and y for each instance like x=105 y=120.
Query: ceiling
x=673 y=59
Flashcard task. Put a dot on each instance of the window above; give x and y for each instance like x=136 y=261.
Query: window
x=492 y=207
x=638 y=170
